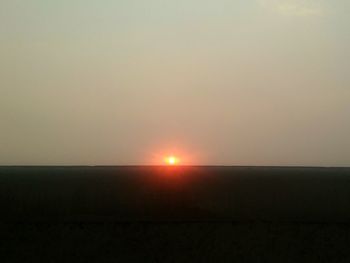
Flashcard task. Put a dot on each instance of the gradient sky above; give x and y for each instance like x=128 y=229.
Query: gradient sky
x=258 y=82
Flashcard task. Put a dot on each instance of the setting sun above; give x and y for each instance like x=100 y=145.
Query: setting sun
x=171 y=160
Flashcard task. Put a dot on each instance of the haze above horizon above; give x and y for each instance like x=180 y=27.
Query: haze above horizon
x=258 y=82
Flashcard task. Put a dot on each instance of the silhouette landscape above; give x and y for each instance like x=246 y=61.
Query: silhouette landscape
x=186 y=193
x=174 y=214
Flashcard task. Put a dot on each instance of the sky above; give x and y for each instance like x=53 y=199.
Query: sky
x=214 y=82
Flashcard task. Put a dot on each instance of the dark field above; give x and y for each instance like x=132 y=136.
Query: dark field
x=174 y=214
x=175 y=194
x=175 y=242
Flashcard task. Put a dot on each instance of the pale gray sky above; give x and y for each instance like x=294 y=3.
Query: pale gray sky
x=258 y=82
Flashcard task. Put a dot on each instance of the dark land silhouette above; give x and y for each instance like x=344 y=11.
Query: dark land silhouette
x=174 y=214
x=154 y=193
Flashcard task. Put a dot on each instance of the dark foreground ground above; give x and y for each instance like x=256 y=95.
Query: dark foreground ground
x=183 y=214
x=175 y=242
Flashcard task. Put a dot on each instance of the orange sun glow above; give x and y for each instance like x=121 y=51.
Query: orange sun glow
x=171 y=160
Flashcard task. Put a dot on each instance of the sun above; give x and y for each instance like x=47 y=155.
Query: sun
x=171 y=160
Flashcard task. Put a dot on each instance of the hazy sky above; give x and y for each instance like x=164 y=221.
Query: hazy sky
x=249 y=82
